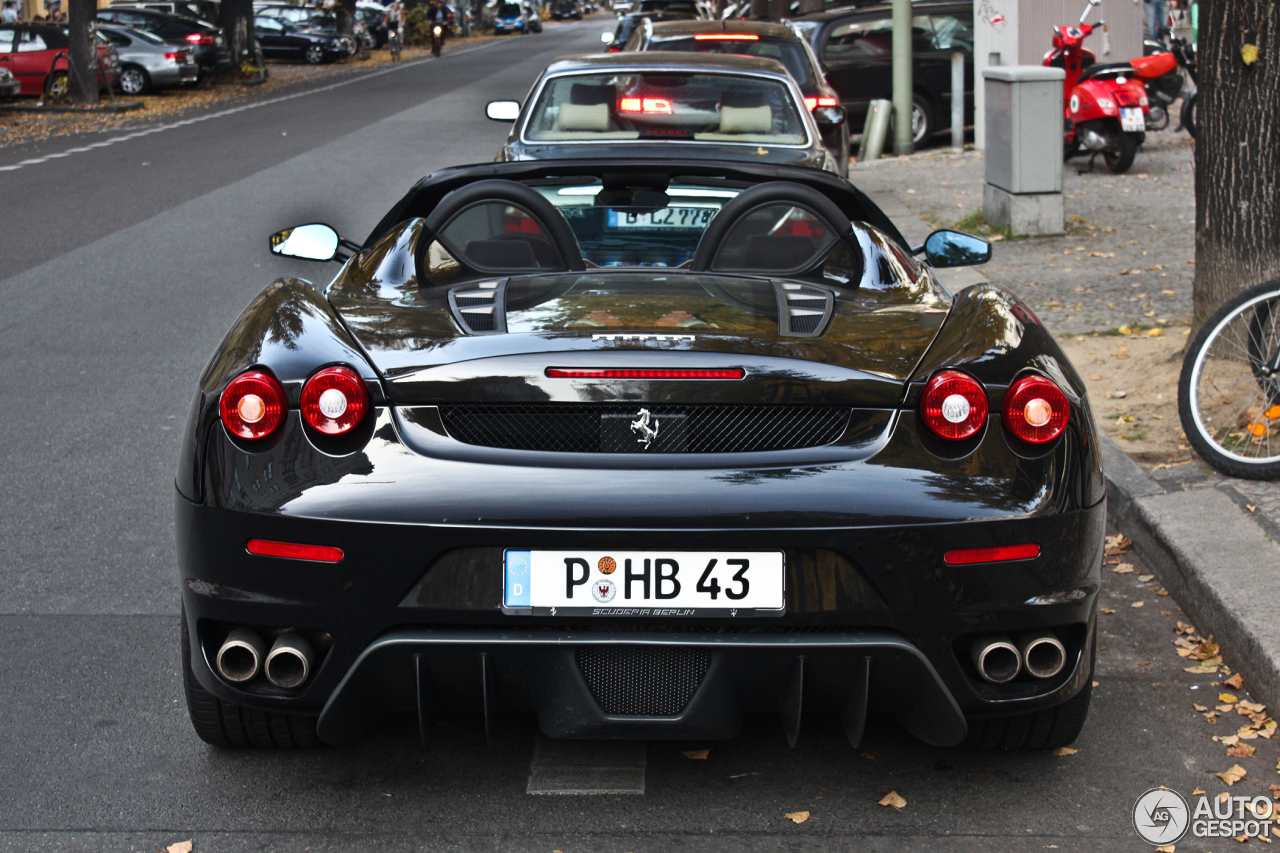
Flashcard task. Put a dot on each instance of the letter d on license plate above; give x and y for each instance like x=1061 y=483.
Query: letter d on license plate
x=644 y=583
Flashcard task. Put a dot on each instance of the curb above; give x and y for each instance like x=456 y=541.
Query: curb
x=120 y=107
x=1216 y=559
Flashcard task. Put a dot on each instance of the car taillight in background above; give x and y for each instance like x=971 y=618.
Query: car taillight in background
x=726 y=37
x=253 y=405
x=954 y=405
x=334 y=401
x=644 y=105
x=200 y=38
x=180 y=56
x=1035 y=410
x=813 y=103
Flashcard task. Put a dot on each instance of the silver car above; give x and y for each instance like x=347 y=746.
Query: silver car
x=149 y=62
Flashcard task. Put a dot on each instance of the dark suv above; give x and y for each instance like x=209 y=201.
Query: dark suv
x=211 y=51
x=855 y=46
x=758 y=38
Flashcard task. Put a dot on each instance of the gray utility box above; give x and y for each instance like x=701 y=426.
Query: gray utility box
x=1024 y=148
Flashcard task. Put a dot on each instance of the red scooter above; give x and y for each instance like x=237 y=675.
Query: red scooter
x=1106 y=103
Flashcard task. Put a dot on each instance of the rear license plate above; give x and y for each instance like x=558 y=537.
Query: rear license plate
x=1131 y=120
x=675 y=218
x=644 y=583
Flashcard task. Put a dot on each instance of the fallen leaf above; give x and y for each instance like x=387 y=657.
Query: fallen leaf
x=1242 y=750
x=697 y=753
x=1144 y=663
x=1227 y=740
x=1227 y=698
x=740 y=775
x=1117 y=544
x=1226 y=709
x=1275 y=791
x=1146 y=578
x=797 y=817
x=1124 y=569
x=1184 y=628
x=1168 y=848
x=1065 y=750
x=1198 y=791
x=893 y=800
x=1137 y=604
x=1200 y=708
x=1233 y=775
x=1133 y=271
x=1201 y=669
x=179 y=847
x=1249 y=53
x=1106 y=610
x=1154 y=333
x=1245 y=706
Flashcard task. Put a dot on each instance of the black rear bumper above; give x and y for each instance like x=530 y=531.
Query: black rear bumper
x=572 y=682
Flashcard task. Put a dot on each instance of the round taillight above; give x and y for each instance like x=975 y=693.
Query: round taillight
x=253 y=405
x=1035 y=410
x=334 y=401
x=954 y=405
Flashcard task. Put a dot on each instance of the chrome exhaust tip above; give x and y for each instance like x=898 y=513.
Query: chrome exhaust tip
x=1042 y=653
x=289 y=661
x=997 y=658
x=240 y=656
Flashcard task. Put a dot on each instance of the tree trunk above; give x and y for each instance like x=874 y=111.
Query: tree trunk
x=779 y=9
x=760 y=9
x=345 y=12
x=234 y=18
x=83 y=71
x=1237 y=152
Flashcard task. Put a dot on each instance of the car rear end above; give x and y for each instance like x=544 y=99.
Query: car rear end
x=209 y=48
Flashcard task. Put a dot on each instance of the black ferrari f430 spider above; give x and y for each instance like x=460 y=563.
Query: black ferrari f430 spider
x=639 y=447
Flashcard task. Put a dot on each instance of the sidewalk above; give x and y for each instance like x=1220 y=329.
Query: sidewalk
x=1126 y=261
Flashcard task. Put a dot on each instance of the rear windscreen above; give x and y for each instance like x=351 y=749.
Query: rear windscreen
x=677 y=106
x=508 y=10
x=791 y=54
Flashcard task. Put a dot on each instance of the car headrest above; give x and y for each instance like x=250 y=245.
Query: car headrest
x=593 y=117
x=746 y=119
x=587 y=94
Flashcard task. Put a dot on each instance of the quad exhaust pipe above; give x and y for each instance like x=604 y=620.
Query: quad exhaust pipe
x=289 y=661
x=999 y=659
x=241 y=655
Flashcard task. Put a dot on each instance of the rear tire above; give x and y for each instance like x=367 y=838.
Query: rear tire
x=1118 y=162
x=1189 y=114
x=315 y=54
x=134 y=80
x=226 y=724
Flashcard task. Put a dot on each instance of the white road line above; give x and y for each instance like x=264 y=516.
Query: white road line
x=587 y=766
x=399 y=66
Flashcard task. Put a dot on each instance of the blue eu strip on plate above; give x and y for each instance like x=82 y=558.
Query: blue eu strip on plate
x=516 y=588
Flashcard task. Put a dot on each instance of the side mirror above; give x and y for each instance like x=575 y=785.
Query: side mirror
x=606 y=38
x=953 y=249
x=314 y=242
x=502 y=110
x=829 y=116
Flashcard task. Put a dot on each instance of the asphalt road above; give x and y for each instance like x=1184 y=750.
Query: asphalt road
x=121 y=268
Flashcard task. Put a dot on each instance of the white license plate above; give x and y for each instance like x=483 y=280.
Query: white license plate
x=678 y=218
x=644 y=583
x=1131 y=120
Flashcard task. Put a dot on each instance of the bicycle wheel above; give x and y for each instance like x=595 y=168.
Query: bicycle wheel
x=1229 y=388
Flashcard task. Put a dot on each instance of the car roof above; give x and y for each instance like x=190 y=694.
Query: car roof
x=666 y=59
x=878 y=9
x=761 y=28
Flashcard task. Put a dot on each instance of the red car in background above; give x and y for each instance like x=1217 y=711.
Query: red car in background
x=37 y=56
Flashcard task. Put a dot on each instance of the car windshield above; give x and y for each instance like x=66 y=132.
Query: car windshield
x=667 y=105
x=790 y=53
x=508 y=10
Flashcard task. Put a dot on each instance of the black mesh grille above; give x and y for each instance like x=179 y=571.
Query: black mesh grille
x=642 y=681
x=585 y=428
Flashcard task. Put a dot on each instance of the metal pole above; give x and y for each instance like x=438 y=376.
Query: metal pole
x=957 y=101
x=902 y=142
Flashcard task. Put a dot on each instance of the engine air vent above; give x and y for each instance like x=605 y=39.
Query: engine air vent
x=803 y=310
x=480 y=308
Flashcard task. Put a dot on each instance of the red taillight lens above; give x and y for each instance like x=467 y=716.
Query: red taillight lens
x=200 y=38
x=1035 y=410
x=644 y=105
x=175 y=57
x=318 y=553
x=813 y=103
x=954 y=405
x=726 y=37
x=643 y=373
x=964 y=556
x=253 y=405
x=334 y=401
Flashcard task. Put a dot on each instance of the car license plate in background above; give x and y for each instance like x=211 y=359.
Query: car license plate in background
x=644 y=583
x=1131 y=120
x=685 y=218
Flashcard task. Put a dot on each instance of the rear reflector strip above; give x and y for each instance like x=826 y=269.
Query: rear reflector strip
x=645 y=373
x=318 y=553
x=998 y=554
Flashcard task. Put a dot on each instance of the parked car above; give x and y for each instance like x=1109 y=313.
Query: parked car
x=312 y=20
x=9 y=85
x=515 y=18
x=680 y=105
x=281 y=40
x=211 y=51
x=638 y=447
x=563 y=9
x=629 y=23
x=37 y=57
x=373 y=16
x=856 y=49
x=149 y=62
x=757 y=38
x=204 y=11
